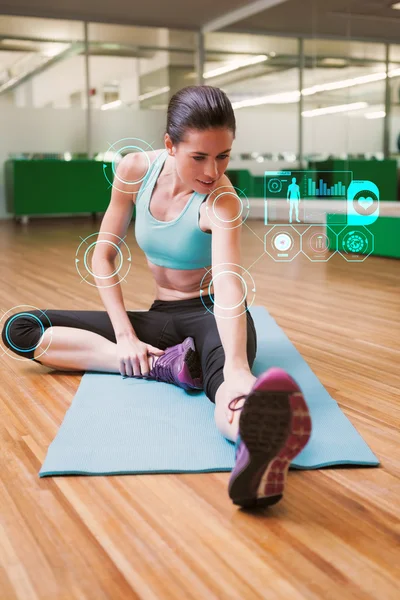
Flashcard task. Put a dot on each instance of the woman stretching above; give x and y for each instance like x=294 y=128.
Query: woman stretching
x=188 y=226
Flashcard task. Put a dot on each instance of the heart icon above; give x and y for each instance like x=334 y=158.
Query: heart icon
x=365 y=202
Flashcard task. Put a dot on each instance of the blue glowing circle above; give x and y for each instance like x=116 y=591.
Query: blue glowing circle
x=9 y=323
x=123 y=180
x=245 y=288
x=103 y=276
x=227 y=220
x=209 y=286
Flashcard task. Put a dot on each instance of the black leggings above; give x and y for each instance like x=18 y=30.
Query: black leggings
x=165 y=324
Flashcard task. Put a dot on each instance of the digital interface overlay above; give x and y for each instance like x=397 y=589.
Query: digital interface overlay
x=318 y=213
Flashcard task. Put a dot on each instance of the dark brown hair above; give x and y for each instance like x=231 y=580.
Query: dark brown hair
x=198 y=107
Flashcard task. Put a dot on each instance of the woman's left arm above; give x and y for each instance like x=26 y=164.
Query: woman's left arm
x=229 y=296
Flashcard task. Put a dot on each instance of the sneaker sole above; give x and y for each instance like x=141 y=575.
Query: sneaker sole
x=275 y=426
x=191 y=366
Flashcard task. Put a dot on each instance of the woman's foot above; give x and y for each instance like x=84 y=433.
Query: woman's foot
x=274 y=427
x=180 y=365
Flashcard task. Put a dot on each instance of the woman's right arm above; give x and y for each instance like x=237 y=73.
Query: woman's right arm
x=116 y=221
x=132 y=352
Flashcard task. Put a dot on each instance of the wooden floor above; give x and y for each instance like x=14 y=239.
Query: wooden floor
x=336 y=533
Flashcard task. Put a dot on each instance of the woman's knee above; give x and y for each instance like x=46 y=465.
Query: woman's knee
x=22 y=333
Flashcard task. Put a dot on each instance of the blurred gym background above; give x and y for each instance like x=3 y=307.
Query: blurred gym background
x=71 y=87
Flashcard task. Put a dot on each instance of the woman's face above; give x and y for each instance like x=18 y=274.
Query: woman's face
x=202 y=157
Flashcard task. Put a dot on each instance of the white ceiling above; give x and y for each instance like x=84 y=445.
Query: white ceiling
x=357 y=19
x=156 y=26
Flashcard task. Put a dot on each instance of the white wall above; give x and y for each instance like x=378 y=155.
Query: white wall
x=340 y=133
x=266 y=129
x=54 y=86
x=70 y=77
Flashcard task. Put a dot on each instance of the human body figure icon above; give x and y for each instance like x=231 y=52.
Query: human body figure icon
x=293 y=194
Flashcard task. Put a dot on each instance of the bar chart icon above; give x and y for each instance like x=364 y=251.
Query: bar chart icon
x=338 y=189
x=302 y=188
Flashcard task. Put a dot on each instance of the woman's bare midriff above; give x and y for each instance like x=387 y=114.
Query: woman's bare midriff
x=176 y=284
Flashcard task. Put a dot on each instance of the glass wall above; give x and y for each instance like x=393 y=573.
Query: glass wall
x=138 y=67
x=43 y=66
x=135 y=69
x=260 y=77
x=343 y=98
x=394 y=115
x=119 y=56
x=40 y=62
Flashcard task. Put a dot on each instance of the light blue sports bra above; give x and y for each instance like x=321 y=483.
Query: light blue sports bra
x=176 y=244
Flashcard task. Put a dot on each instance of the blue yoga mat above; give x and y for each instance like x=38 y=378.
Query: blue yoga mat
x=116 y=425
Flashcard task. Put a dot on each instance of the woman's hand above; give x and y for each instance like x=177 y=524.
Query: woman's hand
x=133 y=355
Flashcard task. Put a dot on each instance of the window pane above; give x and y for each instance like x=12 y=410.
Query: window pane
x=260 y=75
x=344 y=97
x=40 y=62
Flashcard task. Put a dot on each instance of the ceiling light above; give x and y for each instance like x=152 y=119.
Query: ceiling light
x=8 y=84
x=51 y=50
x=339 y=108
x=282 y=98
x=113 y=104
x=17 y=43
x=345 y=83
x=334 y=62
x=294 y=96
x=156 y=92
x=238 y=64
x=378 y=114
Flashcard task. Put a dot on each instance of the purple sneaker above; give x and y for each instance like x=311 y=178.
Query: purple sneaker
x=274 y=426
x=180 y=365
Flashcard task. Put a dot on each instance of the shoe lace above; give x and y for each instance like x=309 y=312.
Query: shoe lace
x=237 y=398
x=162 y=370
